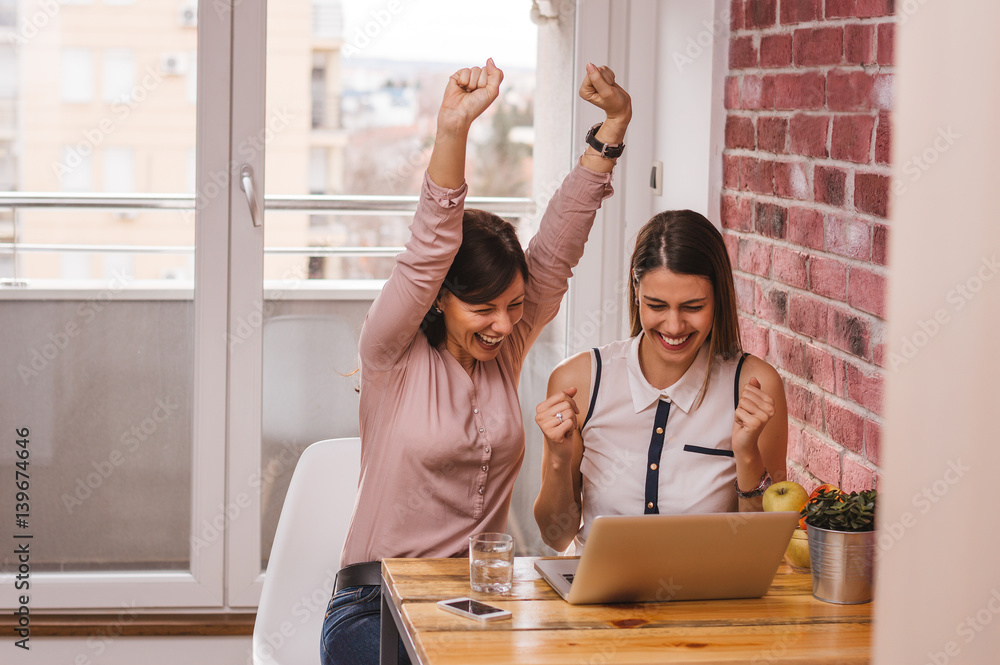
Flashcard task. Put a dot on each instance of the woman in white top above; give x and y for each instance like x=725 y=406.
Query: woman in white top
x=675 y=419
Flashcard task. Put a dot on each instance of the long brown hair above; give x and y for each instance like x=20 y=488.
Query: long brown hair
x=684 y=242
x=484 y=267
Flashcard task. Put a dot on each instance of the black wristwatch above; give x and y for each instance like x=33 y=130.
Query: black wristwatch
x=606 y=150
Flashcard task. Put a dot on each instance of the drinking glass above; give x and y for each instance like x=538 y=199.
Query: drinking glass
x=491 y=562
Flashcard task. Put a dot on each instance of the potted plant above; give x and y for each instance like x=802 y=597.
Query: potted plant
x=841 y=529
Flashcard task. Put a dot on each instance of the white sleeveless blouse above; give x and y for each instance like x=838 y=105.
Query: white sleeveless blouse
x=653 y=451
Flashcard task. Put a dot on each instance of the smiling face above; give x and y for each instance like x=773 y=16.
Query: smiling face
x=677 y=313
x=475 y=332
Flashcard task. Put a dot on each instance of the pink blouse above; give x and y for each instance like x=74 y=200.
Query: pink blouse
x=439 y=449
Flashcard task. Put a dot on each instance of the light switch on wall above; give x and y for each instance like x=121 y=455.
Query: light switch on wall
x=656 y=178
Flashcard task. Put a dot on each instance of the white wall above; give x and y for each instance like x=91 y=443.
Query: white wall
x=938 y=587
x=133 y=650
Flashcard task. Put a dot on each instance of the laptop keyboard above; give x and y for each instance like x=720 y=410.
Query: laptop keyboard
x=569 y=577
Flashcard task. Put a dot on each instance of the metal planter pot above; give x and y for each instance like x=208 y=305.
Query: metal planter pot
x=842 y=565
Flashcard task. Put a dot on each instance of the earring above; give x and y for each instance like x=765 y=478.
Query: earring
x=437 y=310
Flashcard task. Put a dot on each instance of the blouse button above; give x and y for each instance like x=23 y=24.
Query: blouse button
x=485 y=467
x=648 y=505
x=487 y=449
x=659 y=430
x=481 y=491
x=475 y=410
x=481 y=430
x=653 y=466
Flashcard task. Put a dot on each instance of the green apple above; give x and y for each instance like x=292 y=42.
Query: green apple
x=786 y=495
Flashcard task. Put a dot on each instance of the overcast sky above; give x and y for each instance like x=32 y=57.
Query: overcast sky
x=456 y=31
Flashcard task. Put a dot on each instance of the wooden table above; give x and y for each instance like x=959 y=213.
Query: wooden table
x=787 y=625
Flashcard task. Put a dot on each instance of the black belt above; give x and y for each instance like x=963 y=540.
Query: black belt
x=359 y=574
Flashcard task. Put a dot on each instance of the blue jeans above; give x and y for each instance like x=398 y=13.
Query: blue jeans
x=352 y=627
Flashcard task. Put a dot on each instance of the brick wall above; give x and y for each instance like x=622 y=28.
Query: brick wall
x=805 y=192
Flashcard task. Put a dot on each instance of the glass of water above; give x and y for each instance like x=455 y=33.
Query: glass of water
x=491 y=562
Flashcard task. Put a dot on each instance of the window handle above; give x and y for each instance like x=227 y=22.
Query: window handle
x=246 y=184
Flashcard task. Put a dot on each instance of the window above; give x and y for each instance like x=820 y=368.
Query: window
x=77 y=75
x=75 y=172
x=118 y=75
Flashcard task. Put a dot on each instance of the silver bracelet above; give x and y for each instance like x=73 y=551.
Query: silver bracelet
x=765 y=482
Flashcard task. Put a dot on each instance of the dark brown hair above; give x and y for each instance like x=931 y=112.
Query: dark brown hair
x=485 y=266
x=684 y=242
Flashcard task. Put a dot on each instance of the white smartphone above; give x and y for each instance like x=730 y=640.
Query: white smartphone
x=473 y=609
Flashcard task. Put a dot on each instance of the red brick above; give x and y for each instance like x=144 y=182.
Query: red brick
x=771 y=134
x=755 y=257
x=732 y=243
x=730 y=172
x=776 y=51
x=744 y=293
x=828 y=277
x=794 y=449
x=807 y=135
x=737 y=212
x=770 y=219
x=791 y=180
x=753 y=338
x=820 y=458
x=785 y=352
x=759 y=13
x=818 y=46
x=789 y=267
x=804 y=405
x=873 y=442
x=847 y=331
x=830 y=185
x=742 y=53
x=799 y=11
x=883 y=138
x=882 y=92
x=807 y=316
x=740 y=133
x=757 y=93
x=880 y=244
x=757 y=175
x=867 y=291
x=871 y=193
x=852 y=138
x=771 y=305
x=805 y=227
x=864 y=388
x=858 y=8
x=845 y=426
x=859 y=43
x=886 y=44
x=732 y=100
x=849 y=90
x=848 y=237
x=856 y=476
x=736 y=15
x=799 y=92
x=821 y=367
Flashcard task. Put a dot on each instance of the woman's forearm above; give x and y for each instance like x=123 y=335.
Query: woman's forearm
x=557 y=508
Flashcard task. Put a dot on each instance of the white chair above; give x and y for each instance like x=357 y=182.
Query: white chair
x=305 y=556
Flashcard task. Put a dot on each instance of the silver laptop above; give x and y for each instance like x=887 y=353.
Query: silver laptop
x=648 y=558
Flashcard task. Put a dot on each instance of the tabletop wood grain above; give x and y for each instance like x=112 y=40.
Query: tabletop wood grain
x=785 y=626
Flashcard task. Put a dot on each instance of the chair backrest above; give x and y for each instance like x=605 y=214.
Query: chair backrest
x=305 y=556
